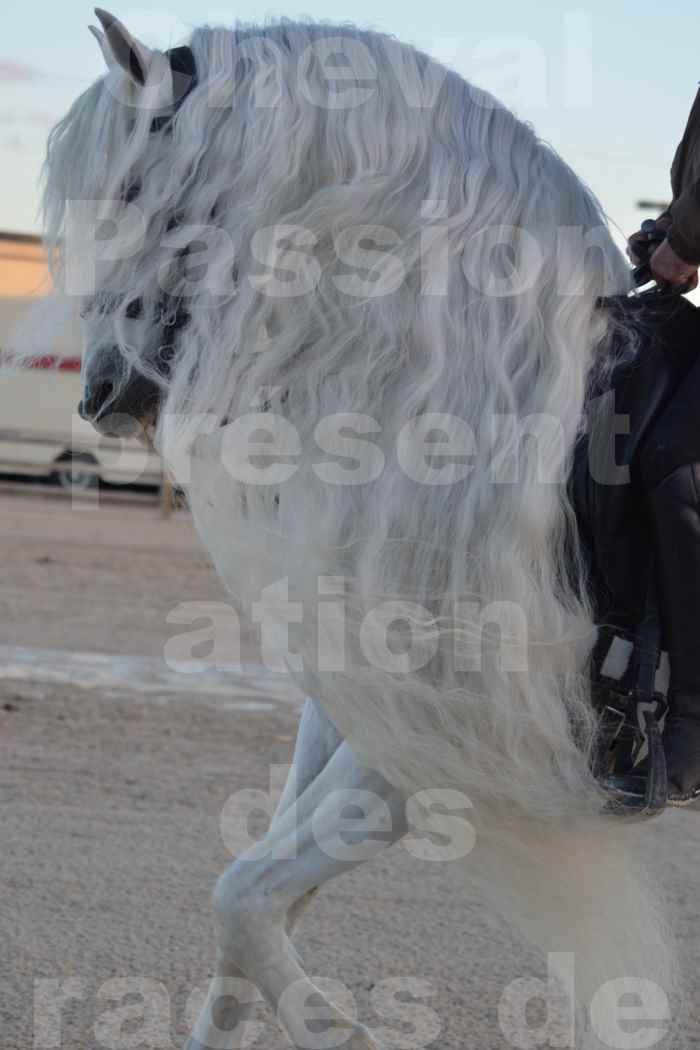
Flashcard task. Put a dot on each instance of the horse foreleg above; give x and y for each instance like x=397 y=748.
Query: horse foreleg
x=317 y=739
x=255 y=895
x=308 y=843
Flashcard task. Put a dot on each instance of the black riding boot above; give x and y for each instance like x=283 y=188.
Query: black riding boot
x=675 y=504
x=682 y=747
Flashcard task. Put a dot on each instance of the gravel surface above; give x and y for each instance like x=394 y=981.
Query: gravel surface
x=110 y=837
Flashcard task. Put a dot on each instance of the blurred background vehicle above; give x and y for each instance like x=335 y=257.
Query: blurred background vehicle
x=41 y=434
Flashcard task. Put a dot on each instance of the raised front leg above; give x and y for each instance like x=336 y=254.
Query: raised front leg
x=317 y=740
x=255 y=895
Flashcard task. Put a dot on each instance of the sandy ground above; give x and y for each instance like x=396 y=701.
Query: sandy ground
x=110 y=837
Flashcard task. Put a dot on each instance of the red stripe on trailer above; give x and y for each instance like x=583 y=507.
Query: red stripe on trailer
x=63 y=364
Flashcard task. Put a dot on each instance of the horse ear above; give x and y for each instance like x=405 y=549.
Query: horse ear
x=128 y=52
x=104 y=46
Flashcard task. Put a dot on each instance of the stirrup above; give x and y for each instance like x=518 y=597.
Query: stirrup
x=686 y=800
x=636 y=785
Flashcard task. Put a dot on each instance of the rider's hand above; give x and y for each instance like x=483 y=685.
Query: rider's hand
x=669 y=268
x=636 y=238
x=641 y=239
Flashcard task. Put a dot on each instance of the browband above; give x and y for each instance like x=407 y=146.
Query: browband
x=184 y=73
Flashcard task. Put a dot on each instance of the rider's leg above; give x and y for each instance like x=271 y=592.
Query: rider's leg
x=675 y=505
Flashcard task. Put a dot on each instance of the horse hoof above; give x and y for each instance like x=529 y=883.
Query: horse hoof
x=213 y=1035
x=361 y=1039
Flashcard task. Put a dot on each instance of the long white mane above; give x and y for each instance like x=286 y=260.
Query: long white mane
x=395 y=259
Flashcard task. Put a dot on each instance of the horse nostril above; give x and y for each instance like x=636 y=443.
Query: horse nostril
x=103 y=394
x=96 y=398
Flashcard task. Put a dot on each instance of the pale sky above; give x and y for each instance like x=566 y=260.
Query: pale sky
x=608 y=84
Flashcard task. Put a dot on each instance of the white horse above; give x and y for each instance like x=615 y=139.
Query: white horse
x=320 y=233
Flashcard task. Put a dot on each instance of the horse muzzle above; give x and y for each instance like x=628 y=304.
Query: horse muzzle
x=117 y=401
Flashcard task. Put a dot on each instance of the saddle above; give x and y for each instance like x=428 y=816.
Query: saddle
x=642 y=422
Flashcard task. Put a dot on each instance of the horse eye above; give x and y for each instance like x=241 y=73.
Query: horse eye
x=132 y=191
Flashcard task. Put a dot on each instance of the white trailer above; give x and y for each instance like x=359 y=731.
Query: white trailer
x=41 y=432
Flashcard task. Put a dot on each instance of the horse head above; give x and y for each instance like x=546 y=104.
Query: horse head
x=130 y=343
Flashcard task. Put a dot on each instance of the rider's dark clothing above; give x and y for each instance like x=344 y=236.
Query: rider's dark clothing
x=645 y=526
x=684 y=234
x=671 y=476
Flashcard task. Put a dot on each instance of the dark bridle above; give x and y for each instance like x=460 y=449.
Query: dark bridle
x=138 y=398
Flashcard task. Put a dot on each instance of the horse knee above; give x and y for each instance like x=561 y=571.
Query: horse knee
x=241 y=895
x=251 y=918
